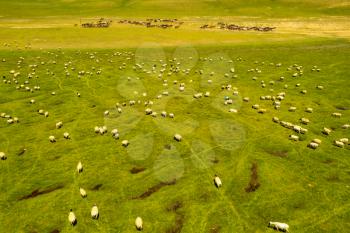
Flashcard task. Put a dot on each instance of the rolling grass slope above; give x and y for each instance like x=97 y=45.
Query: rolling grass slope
x=306 y=188
x=172 y=8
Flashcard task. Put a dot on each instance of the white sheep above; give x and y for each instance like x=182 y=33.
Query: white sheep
x=346 y=126
x=344 y=140
x=217 y=181
x=10 y=121
x=294 y=137
x=336 y=114
x=292 y=109
x=97 y=129
x=82 y=192
x=80 y=167
x=171 y=115
x=304 y=121
x=71 y=218
x=66 y=135
x=106 y=113
x=275 y=119
x=256 y=106
x=233 y=110
x=339 y=144
x=316 y=140
x=148 y=111
x=46 y=114
x=326 y=131
x=313 y=145
x=163 y=114
x=94 y=212
x=178 y=137
x=125 y=143
x=3 y=156
x=139 y=223
x=59 y=125
x=246 y=99
x=52 y=139
x=262 y=110
x=309 y=110
x=279 y=226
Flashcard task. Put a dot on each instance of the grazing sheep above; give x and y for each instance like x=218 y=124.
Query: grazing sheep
x=119 y=110
x=97 y=129
x=103 y=130
x=346 y=126
x=80 y=167
x=78 y=94
x=148 y=111
x=178 y=137
x=344 y=140
x=3 y=156
x=217 y=181
x=318 y=141
x=304 y=121
x=52 y=139
x=313 y=145
x=303 y=91
x=125 y=143
x=114 y=131
x=326 y=131
x=46 y=114
x=279 y=226
x=71 y=218
x=262 y=110
x=94 y=212
x=246 y=99
x=66 y=135
x=339 y=144
x=32 y=101
x=275 y=119
x=41 y=112
x=82 y=192
x=163 y=114
x=320 y=87
x=303 y=130
x=59 y=125
x=309 y=110
x=294 y=137
x=336 y=114
x=198 y=95
x=292 y=109
x=171 y=115
x=139 y=223
x=256 y=106
x=233 y=110
x=10 y=121
x=106 y=113
x=207 y=94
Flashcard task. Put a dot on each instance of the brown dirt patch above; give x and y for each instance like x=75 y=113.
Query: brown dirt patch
x=254 y=181
x=39 y=192
x=96 y=187
x=154 y=189
x=136 y=170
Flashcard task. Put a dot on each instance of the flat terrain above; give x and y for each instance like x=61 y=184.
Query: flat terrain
x=265 y=175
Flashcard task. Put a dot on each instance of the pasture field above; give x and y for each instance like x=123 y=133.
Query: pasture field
x=307 y=188
x=86 y=77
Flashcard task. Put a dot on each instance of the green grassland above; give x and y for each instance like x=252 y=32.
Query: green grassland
x=306 y=188
x=161 y=8
x=168 y=183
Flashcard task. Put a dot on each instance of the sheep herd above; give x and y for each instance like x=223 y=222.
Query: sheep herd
x=272 y=102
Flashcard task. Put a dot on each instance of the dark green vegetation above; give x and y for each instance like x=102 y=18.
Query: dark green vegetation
x=175 y=8
x=308 y=189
